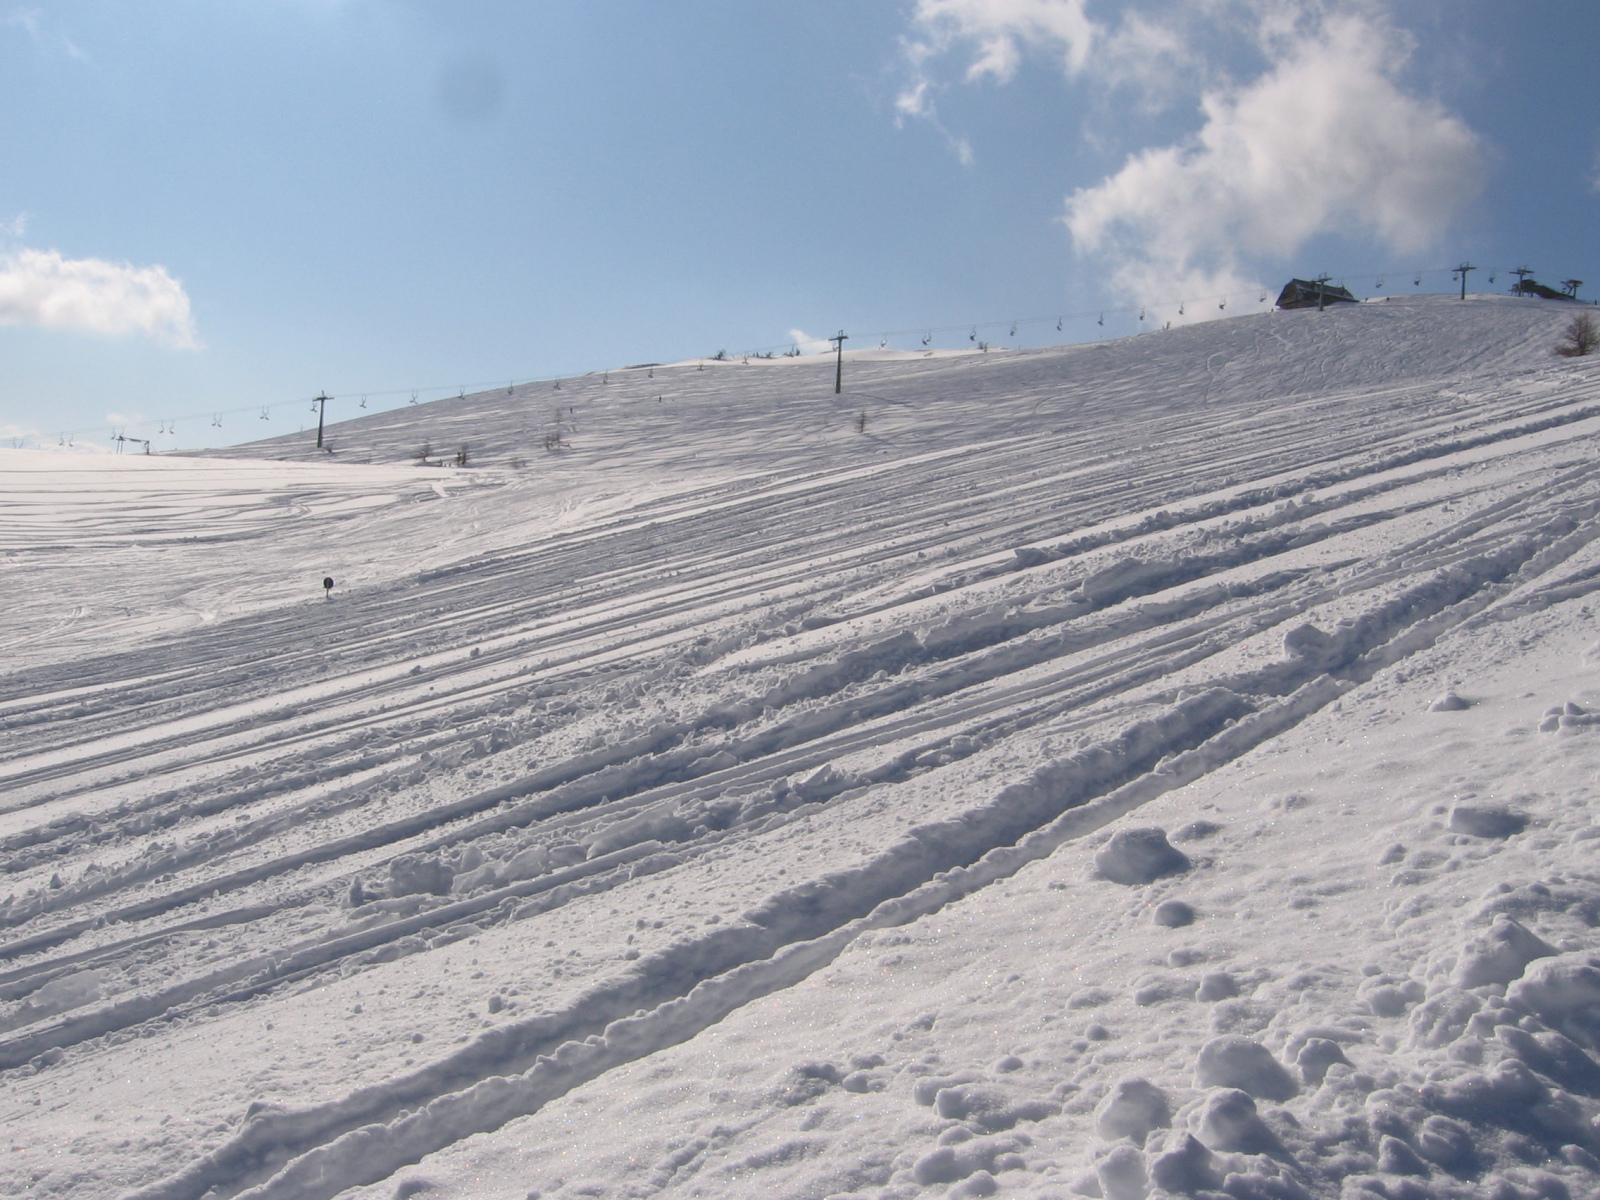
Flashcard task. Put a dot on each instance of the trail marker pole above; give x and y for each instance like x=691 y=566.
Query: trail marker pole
x=838 y=371
x=322 y=407
x=1464 y=268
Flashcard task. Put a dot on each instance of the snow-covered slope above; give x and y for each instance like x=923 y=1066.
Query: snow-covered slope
x=1086 y=771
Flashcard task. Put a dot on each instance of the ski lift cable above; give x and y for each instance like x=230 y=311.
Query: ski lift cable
x=926 y=334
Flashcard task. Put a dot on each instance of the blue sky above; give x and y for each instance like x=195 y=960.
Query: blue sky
x=209 y=207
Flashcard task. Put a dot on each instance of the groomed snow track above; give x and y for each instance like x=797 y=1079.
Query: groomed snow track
x=1064 y=581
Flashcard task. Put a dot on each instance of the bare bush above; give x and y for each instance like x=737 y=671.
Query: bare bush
x=1581 y=337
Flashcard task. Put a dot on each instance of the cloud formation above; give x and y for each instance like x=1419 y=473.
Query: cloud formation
x=40 y=287
x=1002 y=28
x=47 y=40
x=1322 y=140
x=1325 y=142
x=807 y=344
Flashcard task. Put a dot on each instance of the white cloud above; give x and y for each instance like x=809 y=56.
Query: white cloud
x=1152 y=56
x=1323 y=142
x=40 y=287
x=31 y=21
x=808 y=344
x=1001 y=29
x=1305 y=129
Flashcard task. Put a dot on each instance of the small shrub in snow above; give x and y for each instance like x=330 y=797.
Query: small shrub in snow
x=1581 y=337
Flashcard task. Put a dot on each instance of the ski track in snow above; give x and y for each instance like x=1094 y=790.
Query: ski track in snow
x=708 y=777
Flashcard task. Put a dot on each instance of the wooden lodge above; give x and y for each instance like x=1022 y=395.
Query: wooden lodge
x=1309 y=293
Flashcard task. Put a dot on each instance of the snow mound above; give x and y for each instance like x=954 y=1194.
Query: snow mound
x=1138 y=856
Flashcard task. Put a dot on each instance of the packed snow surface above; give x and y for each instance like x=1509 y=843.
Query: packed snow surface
x=1159 y=767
